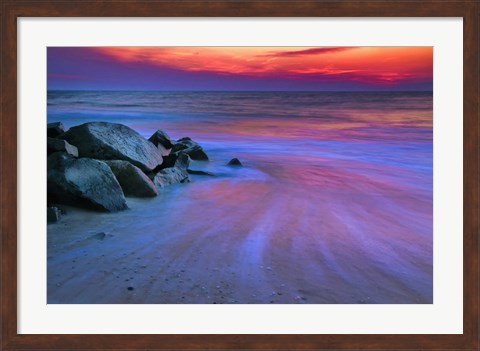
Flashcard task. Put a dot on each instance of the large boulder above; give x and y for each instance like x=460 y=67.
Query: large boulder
x=54 y=129
x=84 y=183
x=161 y=138
x=191 y=148
x=59 y=145
x=171 y=175
x=132 y=180
x=112 y=141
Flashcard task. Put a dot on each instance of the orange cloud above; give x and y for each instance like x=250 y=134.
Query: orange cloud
x=373 y=64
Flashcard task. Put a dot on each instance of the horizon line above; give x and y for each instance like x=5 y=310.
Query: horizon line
x=243 y=91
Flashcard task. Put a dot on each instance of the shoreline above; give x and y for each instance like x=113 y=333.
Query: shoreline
x=180 y=247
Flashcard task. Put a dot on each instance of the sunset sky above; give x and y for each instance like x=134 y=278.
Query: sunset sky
x=240 y=68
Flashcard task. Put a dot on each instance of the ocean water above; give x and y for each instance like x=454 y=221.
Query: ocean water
x=335 y=196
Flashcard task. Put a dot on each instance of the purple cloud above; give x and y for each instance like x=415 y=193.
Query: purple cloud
x=314 y=51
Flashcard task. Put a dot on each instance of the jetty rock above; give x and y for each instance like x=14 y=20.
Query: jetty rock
x=234 y=162
x=83 y=183
x=179 y=159
x=59 y=145
x=191 y=148
x=182 y=161
x=112 y=141
x=173 y=170
x=161 y=138
x=54 y=129
x=172 y=175
x=132 y=180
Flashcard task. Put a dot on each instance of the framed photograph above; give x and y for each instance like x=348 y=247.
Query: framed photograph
x=240 y=175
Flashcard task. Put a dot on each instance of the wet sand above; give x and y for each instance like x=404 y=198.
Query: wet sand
x=250 y=236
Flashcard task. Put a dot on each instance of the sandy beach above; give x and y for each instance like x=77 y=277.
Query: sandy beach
x=244 y=237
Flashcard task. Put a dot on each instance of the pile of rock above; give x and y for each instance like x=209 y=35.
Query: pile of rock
x=95 y=165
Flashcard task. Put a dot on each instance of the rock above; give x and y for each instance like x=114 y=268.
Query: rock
x=162 y=141
x=161 y=138
x=171 y=175
x=59 y=145
x=101 y=236
x=168 y=161
x=55 y=129
x=53 y=214
x=182 y=161
x=84 y=183
x=132 y=180
x=179 y=159
x=191 y=148
x=112 y=141
x=234 y=162
x=193 y=171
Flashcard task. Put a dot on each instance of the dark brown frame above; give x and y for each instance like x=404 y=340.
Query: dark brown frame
x=11 y=10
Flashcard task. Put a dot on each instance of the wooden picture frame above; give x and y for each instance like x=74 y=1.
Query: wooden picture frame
x=11 y=10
